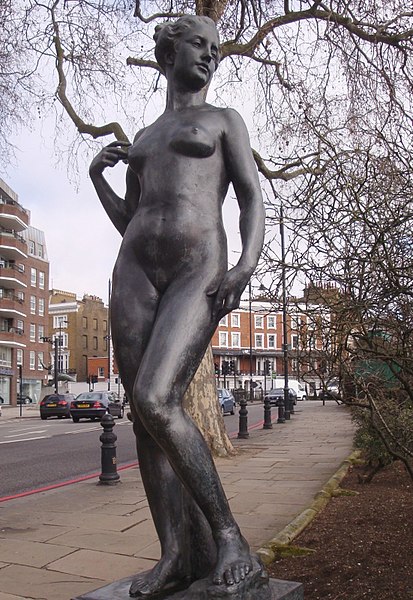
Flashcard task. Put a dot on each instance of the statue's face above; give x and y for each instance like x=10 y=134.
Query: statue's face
x=196 y=56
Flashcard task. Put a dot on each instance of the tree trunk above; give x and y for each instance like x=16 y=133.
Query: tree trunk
x=201 y=403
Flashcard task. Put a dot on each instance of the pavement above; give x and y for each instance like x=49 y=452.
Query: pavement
x=62 y=543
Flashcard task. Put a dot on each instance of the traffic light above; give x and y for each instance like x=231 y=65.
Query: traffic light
x=267 y=367
x=225 y=367
x=232 y=366
x=88 y=379
x=216 y=369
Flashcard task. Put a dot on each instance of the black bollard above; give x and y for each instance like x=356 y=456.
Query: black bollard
x=281 y=411
x=243 y=417
x=267 y=414
x=109 y=474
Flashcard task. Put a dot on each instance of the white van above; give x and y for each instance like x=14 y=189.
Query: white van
x=294 y=384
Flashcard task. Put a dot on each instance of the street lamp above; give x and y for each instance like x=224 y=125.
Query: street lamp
x=109 y=333
x=284 y=317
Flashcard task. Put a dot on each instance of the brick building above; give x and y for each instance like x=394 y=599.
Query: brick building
x=24 y=282
x=81 y=328
x=250 y=341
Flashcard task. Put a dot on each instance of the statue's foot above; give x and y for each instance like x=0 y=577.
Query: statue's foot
x=165 y=577
x=234 y=560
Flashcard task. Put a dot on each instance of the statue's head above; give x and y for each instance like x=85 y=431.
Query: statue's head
x=167 y=36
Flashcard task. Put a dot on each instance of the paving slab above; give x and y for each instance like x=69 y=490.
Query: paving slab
x=34 y=554
x=100 y=565
x=41 y=584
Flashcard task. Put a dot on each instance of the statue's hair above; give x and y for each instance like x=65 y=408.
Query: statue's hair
x=167 y=35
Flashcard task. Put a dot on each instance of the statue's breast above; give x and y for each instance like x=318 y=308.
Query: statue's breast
x=192 y=140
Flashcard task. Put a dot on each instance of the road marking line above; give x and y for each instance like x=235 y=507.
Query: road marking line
x=42 y=437
x=26 y=433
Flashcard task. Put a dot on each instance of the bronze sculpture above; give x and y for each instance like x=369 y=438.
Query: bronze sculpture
x=170 y=288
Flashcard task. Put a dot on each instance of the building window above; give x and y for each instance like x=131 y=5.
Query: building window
x=236 y=340
x=259 y=321
x=41 y=307
x=101 y=371
x=32 y=247
x=40 y=251
x=40 y=332
x=40 y=361
x=33 y=305
x=271 y=340
x=19 y=356
x=223 y=339
x=84 y=322
x=105 y=343
x=295 y=322
x=20 y=326
x=84 y=338
x=224 y=321
x=105 y=325
x=259 y=340
x=235 y=319
x=95 y=343
x=32 y=360
x=32 y=332
x=271 y=321
x=21 y=268
x=294 y=341
x=95 y=324
x=20 y=296
x=41 y=280
x=33 y=277
x=59 y=321
x=62 y=339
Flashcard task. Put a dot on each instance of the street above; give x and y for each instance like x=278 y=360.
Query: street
x=36 y=454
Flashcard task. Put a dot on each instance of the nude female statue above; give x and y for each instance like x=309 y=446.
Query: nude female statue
x=171 y=285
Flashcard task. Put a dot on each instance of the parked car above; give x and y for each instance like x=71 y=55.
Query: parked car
x=56 y=405
x=24 y=399
x=93 y=405
x=277 y=394
x=226 y=401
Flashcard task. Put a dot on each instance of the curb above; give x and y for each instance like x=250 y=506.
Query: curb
x=267 y=553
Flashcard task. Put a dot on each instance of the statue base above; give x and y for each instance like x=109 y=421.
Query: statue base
x=272 y=589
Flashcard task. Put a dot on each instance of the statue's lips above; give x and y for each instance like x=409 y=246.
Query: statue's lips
x=204 y=67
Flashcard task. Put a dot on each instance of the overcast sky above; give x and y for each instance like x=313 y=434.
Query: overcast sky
x=82 y=243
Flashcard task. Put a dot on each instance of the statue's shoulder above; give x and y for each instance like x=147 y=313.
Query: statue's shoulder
x=230 y=116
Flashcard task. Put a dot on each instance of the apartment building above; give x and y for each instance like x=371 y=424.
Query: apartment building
x=24 y=282
x=80 y=327
x=248 y=343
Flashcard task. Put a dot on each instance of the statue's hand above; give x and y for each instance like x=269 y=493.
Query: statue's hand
x=109 y=156
x=228 y=295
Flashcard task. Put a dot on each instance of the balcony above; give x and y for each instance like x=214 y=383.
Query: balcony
x=12 y=245
x=12 y=338
x=10 y=305
x=11 y=276
x=13 y=216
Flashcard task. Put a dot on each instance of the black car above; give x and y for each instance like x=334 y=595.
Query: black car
x=93 y=405
x=24 y=399
x=56 y=405
x=276 y=395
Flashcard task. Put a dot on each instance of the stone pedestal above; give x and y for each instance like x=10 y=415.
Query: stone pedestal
x=275 y=589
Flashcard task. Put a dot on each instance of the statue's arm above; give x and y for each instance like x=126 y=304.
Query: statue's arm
x=119 y=210
x=244 y=177
x=243 y=174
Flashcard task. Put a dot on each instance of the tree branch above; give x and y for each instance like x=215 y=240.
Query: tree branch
x=357 y=28
x=82 y=127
